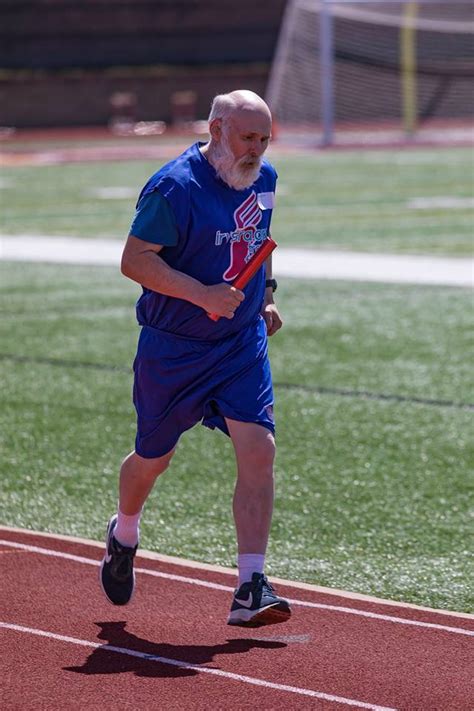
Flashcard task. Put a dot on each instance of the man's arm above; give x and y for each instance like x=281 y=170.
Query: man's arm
x=141 y=263
x=270 y=311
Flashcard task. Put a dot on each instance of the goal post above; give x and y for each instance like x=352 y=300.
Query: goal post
x=346 y=65
x=326 y=71
x=408 y=67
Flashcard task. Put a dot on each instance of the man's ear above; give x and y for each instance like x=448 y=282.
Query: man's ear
x=215 y=129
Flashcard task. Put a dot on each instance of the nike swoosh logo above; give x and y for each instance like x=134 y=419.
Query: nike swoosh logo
x=245 y=603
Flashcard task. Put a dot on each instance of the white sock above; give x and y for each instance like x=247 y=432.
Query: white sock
x=127 y=531
x=249 y=563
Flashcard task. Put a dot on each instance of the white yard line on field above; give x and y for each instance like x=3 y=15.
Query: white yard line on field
x=298 y=263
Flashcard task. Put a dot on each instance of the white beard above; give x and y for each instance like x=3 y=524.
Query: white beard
x=238 y=174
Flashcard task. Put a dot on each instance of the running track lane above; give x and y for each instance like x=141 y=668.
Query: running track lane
x=65 y=647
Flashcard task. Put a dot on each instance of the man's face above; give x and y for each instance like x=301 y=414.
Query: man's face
x=244 y=139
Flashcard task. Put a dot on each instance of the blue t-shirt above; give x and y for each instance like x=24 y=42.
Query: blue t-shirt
x=216 y=228
x=154 y=220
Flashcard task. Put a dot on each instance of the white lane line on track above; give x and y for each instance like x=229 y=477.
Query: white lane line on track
x=195 y=667
x=228 y=588
x=165 y=560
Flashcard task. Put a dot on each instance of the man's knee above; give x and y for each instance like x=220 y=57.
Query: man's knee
x=145 y=467
x=265 y=451
x=260 y=454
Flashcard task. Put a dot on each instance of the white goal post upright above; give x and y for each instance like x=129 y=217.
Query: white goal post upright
x=326 y=44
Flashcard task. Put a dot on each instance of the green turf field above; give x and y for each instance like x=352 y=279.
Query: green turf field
x=374 y=467
x=350 y=200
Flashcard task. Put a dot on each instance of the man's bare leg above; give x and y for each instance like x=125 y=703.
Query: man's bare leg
x=137 y=476
x=254 y=447
x=255 y=602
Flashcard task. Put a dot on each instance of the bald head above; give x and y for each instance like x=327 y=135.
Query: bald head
x=225 y=105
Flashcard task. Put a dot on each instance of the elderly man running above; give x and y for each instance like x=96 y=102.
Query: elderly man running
x=198 y=221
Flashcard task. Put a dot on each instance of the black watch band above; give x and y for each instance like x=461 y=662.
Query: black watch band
x=272 y=283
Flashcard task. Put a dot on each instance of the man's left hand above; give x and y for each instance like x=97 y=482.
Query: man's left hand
x=272 y=317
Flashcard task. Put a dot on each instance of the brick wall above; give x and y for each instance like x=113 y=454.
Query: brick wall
x=61 y=60
x=84 y=98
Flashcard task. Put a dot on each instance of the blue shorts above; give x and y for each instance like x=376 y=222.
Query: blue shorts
x=180 y=382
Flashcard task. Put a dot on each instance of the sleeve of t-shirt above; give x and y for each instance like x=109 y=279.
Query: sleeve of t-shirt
x=154 y=220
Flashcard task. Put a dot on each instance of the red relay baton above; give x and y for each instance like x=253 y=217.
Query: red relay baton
x=250 y=269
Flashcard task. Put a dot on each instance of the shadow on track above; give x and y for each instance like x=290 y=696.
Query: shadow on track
x=151 y=659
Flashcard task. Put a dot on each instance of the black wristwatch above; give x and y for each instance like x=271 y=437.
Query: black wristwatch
x=272 y=283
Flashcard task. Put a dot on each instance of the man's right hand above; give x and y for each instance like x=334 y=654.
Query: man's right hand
x=222 y=299
x=142 y=263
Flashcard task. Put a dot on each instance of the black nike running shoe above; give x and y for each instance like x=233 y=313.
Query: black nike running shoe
x=116 y=570
x=256 y=604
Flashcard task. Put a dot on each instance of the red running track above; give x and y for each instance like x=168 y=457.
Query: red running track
x=65 y=647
